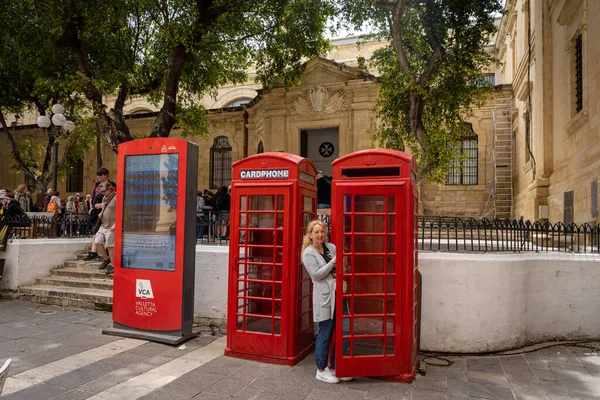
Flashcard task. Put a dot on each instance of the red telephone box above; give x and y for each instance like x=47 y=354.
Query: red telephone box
x=269 y=315
x=374 y=220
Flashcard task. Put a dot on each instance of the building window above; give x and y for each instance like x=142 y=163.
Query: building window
x=75 y=177
x=220 y=162
x=261 y=148
x=578 y=73
x=490 y=78
x=238 y=102
x=463 y=167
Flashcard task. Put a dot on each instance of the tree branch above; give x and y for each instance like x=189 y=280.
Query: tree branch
x=433 y=41
x=397 y=16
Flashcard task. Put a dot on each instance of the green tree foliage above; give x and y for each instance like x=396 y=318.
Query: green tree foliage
x=172 y=52
x=431 y=72
x=35 y=75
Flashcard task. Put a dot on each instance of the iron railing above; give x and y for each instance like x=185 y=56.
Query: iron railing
x=454 y=234
x=209 y=230
x=445 y=234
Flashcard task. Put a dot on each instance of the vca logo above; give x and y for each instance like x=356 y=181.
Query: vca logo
x=143 y=289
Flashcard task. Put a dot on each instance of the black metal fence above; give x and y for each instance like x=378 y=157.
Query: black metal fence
x=213 y=230
x=454 y=234
x=445 y=234
x=22 y=227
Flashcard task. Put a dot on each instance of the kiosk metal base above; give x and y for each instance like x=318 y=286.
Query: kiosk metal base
x=159 y=337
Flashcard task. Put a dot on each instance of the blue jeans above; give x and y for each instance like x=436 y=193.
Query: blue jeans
x=323 y=341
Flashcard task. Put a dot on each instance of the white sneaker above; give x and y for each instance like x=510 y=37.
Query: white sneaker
x=326 y=376
x=340 y=379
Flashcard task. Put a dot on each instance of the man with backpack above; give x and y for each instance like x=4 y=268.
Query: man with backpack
x=96 y=207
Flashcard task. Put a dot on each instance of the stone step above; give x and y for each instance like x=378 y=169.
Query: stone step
x=83 y=264
x=68 y=281
x=73 y=272
x=96 y=299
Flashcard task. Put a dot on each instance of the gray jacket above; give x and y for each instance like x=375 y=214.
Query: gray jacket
x=323 y=281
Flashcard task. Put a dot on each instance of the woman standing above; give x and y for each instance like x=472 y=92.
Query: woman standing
x=318 y=258
x=21 y=197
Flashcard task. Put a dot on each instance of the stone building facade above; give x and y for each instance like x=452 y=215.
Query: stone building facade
x=533 y=152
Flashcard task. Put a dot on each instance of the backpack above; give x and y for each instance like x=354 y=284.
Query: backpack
x=52 y=207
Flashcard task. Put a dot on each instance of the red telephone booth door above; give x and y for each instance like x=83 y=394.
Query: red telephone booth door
x=262 y=225
x=368 y=308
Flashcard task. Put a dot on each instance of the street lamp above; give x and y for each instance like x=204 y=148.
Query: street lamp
x=60 y=121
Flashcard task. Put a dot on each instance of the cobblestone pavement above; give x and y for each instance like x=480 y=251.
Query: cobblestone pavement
x=61 y=354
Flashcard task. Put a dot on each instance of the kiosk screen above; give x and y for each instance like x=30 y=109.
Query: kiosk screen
x=149 y=211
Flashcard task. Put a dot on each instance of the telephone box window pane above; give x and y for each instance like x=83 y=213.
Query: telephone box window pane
x=280 y=203
x=391 y=204
x=260 y=307
x=262 y=221
x=368 y=326
x=368 y=223
x=390 y=284
x=369 y=244
x=305 y=305
x=389 y=346
x=240 y=323
x=262 y=203
x=390 y=328
x=347 y=223
x=243 y=203
x=391 y=225
x=305 y=321
x=368 y=346
x=260 y=325
x=260 y=272
x=241 y=287
x=307 y=219
x=368 y=305
x=391 y=248
x=242 y=237
x=368 y=264
x=279 y=220
x=347 y=203
x=150 y=208
x=368 y=284
x=390 y=307
x=278 y=294
x=278 y=277
x=308 y=203
x=369 y=204
x=391 y=264
x=242 y=220
x=279 y=255
x=277 y=327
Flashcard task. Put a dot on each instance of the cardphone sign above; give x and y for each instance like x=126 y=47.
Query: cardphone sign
x=153 y=294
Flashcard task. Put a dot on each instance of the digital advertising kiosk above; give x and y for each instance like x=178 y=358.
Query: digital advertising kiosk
x=374 y=226
x=269 y=312
x=155 y=240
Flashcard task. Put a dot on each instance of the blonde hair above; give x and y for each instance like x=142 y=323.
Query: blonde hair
x=21 y=188
x=309 y=228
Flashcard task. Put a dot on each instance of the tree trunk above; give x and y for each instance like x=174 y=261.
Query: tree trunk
x=166 y=117
x=99 y=156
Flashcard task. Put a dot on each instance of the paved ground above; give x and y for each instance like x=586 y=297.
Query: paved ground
x=62 y=354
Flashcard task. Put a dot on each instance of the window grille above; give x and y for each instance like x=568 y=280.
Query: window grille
x=220 y=162
x=238 y=102
x=464 y=171
x=75 y=177
x=490 y=78
x=579 y=73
